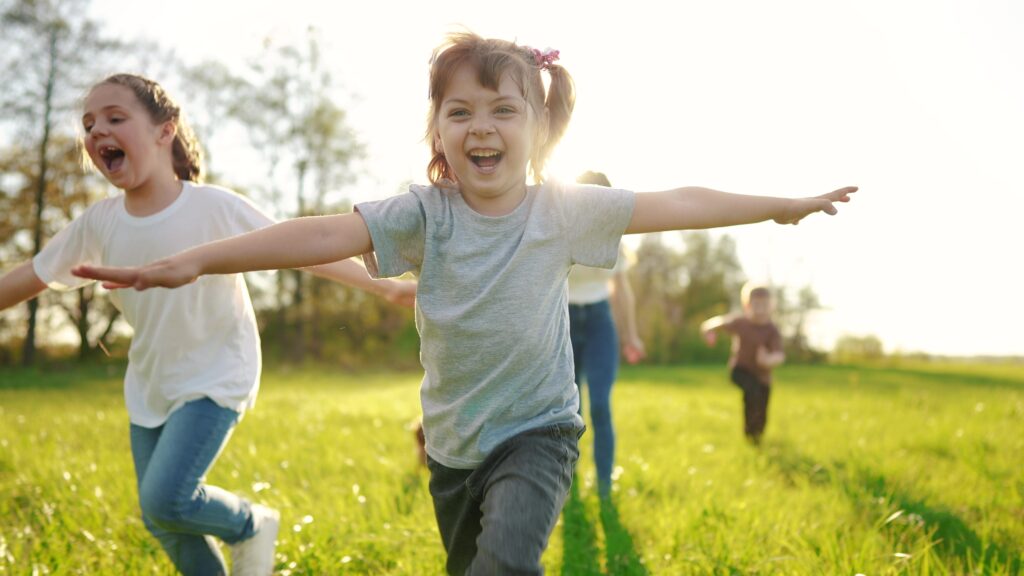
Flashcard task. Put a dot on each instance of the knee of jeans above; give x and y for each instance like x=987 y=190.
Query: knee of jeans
x=161 y=509
x=601 y=414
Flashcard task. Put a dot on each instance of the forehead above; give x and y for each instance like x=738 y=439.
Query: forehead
x=464 y=84
x=109 y=95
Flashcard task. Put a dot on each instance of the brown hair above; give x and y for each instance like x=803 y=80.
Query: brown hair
x=753 y=290
x=186 y=154
x=492 y=59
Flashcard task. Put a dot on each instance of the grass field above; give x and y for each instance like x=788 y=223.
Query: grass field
x=863 y=471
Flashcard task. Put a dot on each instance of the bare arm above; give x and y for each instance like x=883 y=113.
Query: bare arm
x=768 y=359
x=298 y=243
x=697 y=208
x=624 y=310
x=19 y=284
x=710 y=327
x=351 y=273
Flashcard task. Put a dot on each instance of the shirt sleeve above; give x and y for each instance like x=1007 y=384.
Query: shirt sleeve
x=76 y=244
x=595 y=219
x=248 y=216
x=732 y=325
x=397 y=228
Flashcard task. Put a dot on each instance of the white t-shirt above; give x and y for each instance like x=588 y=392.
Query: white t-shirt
x=588 y=285
x=196 y=341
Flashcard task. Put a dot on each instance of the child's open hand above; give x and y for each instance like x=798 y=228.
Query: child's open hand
x=167 y=273
x=800 y=207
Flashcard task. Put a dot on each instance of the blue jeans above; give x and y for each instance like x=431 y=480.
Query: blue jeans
x=595 y=350
x=497 y=518
x=178 y=508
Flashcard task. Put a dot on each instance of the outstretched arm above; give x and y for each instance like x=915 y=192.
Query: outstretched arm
x=624 y=310
x=351 y=273
x=19 y=285
x=697 y=208
x=710 y=327
x=297 y=243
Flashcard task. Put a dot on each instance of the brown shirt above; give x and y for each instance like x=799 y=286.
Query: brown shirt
x=747 y=337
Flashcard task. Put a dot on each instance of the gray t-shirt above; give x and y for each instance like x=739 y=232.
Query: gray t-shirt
x=491 y=304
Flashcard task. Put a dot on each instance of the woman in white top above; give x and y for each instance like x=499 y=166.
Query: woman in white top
x=596 y=342
x=194 y=362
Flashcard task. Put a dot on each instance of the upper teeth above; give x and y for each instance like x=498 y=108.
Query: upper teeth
x=485 y=153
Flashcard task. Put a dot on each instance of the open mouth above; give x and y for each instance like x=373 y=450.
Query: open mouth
x=113 y=157
x=485 y=158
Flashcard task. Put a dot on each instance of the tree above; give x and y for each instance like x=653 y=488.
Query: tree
x=792 y=315
x=50 y=52
x=851 y=349
x=676 y=291
x=287 y=107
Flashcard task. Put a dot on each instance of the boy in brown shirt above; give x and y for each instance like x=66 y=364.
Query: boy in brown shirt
x=756 y=349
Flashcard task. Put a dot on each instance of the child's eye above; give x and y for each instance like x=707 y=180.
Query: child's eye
x=458 y=113
x=116 y=120
x=87 y=128
x=505 y=110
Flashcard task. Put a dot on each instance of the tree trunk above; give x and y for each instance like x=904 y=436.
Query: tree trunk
x=29 y=351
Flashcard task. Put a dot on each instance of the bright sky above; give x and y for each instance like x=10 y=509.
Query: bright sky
x=917 y=102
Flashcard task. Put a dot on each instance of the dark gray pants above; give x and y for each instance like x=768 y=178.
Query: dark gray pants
x=755 y=402
x=497 y=518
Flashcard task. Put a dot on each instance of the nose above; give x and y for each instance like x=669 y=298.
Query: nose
x=481 y=128
x=99 y=128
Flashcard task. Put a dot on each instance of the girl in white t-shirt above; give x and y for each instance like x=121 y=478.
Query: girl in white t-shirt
x=194 y=361
x=601 y=322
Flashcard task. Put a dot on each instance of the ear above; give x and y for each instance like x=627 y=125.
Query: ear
x=437 y=143
x=168 y=130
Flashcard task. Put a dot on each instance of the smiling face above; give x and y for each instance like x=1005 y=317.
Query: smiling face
x=487 y=137
x=122 y=140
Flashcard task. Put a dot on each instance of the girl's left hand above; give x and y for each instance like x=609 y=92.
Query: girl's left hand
x=634 y=351
x=798 y=208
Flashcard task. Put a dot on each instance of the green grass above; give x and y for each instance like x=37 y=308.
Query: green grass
x=864 y=470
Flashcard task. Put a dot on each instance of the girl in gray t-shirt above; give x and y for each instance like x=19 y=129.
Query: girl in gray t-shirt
x=492 y=253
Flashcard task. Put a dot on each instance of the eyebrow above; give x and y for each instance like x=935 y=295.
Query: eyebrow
x=104 y=109
x=493 y=101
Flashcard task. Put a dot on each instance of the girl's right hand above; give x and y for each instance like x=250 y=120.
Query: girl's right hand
x=167 y=273
x=798 y=208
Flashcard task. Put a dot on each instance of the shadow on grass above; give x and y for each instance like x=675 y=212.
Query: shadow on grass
x=579 y=535
x=954 y=538
x=620 y=552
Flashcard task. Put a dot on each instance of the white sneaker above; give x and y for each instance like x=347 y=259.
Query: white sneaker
x=255 y=556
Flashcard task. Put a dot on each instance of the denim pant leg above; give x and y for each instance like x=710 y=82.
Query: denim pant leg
x=497 y=518
x=184 y=514
x=595 y=346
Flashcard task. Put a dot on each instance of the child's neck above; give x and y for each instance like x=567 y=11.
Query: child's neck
x=497 y=204
x=152 y=196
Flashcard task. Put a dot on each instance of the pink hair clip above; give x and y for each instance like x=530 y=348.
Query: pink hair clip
x=544 y=59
